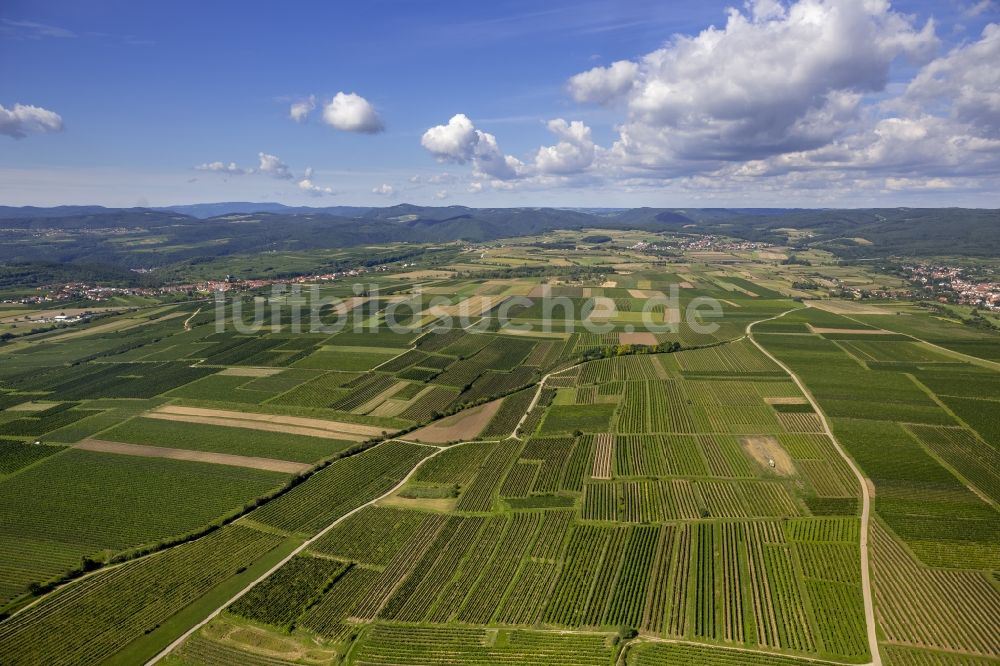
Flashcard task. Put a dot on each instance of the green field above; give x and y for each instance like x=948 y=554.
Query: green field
x=671 y=498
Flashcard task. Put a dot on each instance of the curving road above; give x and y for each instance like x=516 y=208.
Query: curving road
x=866 y=584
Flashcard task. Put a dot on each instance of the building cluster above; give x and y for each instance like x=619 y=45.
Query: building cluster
x=75 y=291
x=952 y=284
x=702 y=244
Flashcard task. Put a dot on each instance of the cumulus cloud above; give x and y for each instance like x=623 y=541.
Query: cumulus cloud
x=965 y=84
x=352 y=113
x=773 y=80
x=222 y=167
x=311 y=188
x=441 y=194
x=602 y=84
x=574 y=152
x=272 y=166
x=299 y=111
x=25 y=119
x=385 y=189
x=459 y=141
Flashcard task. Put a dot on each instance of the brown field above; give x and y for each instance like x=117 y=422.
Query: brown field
x=852 y=331
x=604 y=308
x=766 y=449
x=32 y=406
x=122 y=448
x=472 y=306
x=294 y=425
x=637 y=339
x=467 y=424
x=443 y=504
x=611 y=284
x=847 y=307
x=250 y=372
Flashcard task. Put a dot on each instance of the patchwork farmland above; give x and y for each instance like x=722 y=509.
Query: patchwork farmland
x=488 y=494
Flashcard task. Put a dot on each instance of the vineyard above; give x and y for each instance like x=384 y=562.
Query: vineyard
x=659 y=505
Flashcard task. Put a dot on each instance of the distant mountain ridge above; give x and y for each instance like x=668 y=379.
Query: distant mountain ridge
x=199 y=231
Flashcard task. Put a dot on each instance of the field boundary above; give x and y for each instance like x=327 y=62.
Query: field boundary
x=218 y=611
x=866 y=583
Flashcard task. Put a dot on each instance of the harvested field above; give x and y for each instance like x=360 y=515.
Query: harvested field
x=765 y=450
x=144 y=451
x=637 y=339
x=847 y=307
x=32 y=406
x=852 y=331
x=250 y=372
x=465 y=425
x=271 y=422
x=470 y=307
x=609 y=284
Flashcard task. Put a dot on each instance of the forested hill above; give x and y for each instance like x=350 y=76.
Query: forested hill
x=124 y=237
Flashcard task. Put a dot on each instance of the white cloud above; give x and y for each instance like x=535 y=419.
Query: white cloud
x=385 y=189
x=459 y=141
x=299 y=111
x=25 y=119
x=965 y=84
x=33 y=30
x=310 y=188
x=222 y=167
x=574 y=152
x=602 y=84
x=441 y=194
x=272 y=165
x=774 y=80
x=980 y=7
x=352 y=113
x=454 y=142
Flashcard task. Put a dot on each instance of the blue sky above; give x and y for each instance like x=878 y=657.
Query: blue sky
x=122 y=102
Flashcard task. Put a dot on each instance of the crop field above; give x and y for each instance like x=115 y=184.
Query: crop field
x=48 y=526
x=220 y=439
x=672 y=498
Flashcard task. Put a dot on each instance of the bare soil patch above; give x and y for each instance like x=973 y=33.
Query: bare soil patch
x=143 y=451
x=269 y=422
x=465 y=425
x=852 y=331
x=610 y=284
x=847 y=307
x=31 y=406
x=639 y=338
x=766 y=450
x=445 y=504
x=250 y=372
